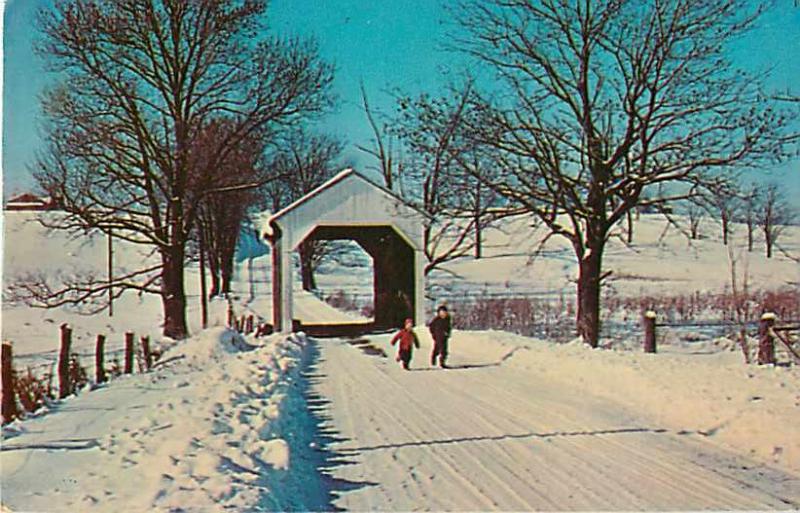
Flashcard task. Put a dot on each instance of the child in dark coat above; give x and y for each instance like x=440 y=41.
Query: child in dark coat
x=440 y=331
x=408 y=339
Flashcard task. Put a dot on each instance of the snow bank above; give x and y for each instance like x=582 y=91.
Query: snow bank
x=192 y=435
x=214 y=344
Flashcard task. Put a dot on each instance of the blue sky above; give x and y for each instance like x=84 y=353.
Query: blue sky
x=386 y=43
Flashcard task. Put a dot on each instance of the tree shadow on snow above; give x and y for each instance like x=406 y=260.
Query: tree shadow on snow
x=308 y=484
x=505 y=437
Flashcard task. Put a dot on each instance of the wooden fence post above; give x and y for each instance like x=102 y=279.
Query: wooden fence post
x=766 y=346
x=148 y=358
x=128 y=352
x=649 y=322
x=231 y=318
x=64 y=388
x=9 y=408
x=99 y=359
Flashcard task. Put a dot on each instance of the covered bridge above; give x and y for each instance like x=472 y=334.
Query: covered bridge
x=350 y=206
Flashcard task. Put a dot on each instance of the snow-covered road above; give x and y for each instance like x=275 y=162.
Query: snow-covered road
x=491 y=435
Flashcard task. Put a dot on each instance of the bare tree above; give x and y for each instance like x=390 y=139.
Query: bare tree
x=138 y=79
x=695 y=213
x=774 y=215
x=382 y=149
x=221 y=215
x=440 y=172
x=481 y=202
x=793 y=100
x=724 y=202
x=304 y=161
x=598 y=101
x=749 y=212
x=629 y=226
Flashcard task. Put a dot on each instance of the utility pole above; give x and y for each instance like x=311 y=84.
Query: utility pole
x=478 y=242
x=110 y=274
x=203 y=293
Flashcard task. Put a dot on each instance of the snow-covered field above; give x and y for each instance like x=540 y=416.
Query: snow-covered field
x=518 y=423
x=661 y=260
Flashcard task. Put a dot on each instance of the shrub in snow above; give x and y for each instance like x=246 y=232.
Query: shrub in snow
x=78 y=377
x=706 y=305
x=33 y=392
x=522 y=315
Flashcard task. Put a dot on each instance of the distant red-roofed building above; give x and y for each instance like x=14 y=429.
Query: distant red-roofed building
x=28 y=201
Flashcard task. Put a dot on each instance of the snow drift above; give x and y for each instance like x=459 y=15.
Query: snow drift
x=194 y=434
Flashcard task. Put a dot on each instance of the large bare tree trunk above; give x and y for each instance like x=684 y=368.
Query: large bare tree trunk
x=226 y=271
x=726 y=228
x=203 y=289
x=588 y=318
x=629 y=218
x=173 y=293
x=213 y=270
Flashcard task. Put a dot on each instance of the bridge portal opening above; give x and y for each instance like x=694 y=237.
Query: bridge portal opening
x=393 y=283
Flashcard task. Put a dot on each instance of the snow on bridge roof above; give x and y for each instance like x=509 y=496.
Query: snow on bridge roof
x=347 y=199
x=333 y=181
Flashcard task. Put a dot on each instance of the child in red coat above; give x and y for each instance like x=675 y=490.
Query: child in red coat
x=408 y=339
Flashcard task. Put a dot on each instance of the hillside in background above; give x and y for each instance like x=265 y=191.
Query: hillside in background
x=661 y=261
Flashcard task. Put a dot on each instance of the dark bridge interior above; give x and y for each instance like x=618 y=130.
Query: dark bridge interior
x=393 y=277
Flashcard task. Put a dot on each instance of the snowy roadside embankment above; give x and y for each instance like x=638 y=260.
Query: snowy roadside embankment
x=749 y=409
x=194 y=434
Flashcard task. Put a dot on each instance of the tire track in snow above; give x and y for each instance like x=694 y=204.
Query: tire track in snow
x=523 y=431
x=411 y=431
x=579 y=441
x=676 y=476
x=679 y=476
x=343 y=372
x=430 y=414
x=461 y=454
x=522 y=427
